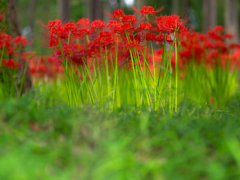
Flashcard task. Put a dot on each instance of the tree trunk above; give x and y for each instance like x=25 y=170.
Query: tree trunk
x=86 y=9
x=231 y=18
x=64 y=10
x=185 y=8
x=31 y=19
x=13 y=16
x=209 y=14
x=108 y=9
x=96 y=10
x=175 y=4
x=138 y=5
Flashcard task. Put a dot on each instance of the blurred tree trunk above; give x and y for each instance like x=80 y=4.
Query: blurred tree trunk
x=185 y=8
x=95 y=10
x=175 y=4
x=4 y=22
x=231 y=18
x=209 y=14
x=13 y=16
x=86 y=9
x=64 y=10
x=31 y=19
x=107 y=9
x=138 y=5
x=109 y=6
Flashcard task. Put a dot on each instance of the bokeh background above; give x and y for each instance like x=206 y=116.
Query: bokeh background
x=202 y=14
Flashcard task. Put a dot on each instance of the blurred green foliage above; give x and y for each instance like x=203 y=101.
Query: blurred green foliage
x=3 y=10
x=42 y=140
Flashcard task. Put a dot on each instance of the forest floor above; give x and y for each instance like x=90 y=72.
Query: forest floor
x=44 y=140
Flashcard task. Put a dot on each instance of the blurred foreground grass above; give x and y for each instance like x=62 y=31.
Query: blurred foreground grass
x=42 y=141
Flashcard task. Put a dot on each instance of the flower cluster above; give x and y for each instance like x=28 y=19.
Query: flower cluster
x=81 y=41
x=9 y=50
x=209 y=49
x=44 y=67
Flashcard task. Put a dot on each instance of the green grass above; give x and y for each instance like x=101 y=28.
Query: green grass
x=41 y=139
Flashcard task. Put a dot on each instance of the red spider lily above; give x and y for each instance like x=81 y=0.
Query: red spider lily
x=114 y=26
x=207 y=49
x=151 y=37
x=160 y=38
x=208 y=44
x=70 y=27
x=183 y=43
x=215 y=36
x=83 y=22
x=54 y=24
x=144 y=26
x=104 y=42
x=219 y=29
x=5 y=40
x=92 y=51
x=20 y=41
x=105 y=34
x=220 y=46
x=98 y=24
x=234 y=46
x=126 y=27
x=82 y=32
x=186 y=54
x=133 y=44
x=139 y=37
x=128 y=19
x=78 y=58
x=117 y=14
x=10 y=50
x=11 y=64
x=56 y=30
x=146 y=10
x=170 y=24
x=126 y=62
x=41 y=66
x=228 y=36
x=53 y=42
x=197 y=51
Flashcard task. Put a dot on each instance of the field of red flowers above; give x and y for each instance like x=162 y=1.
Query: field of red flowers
x=150 y=62
x=144 y=98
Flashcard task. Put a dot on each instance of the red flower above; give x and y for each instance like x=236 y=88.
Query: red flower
x=128 y=19
x=20 y=40
x=69 y=27
x=83 y=22
x=54 y=24
x=219 y=29
x=133 y=44
x=5 y=40
x=208 y=44
x=98 y=24
x=117 y=14
x=170 y=24
x=114 y=26
x=1 y=17
x=105 y=34
x=144 y=26
x=185 y=54
x=151 y=37
x=228 y=36
x=147 y=10
x=234 y=45
x=10 y=64
x=213 y=35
